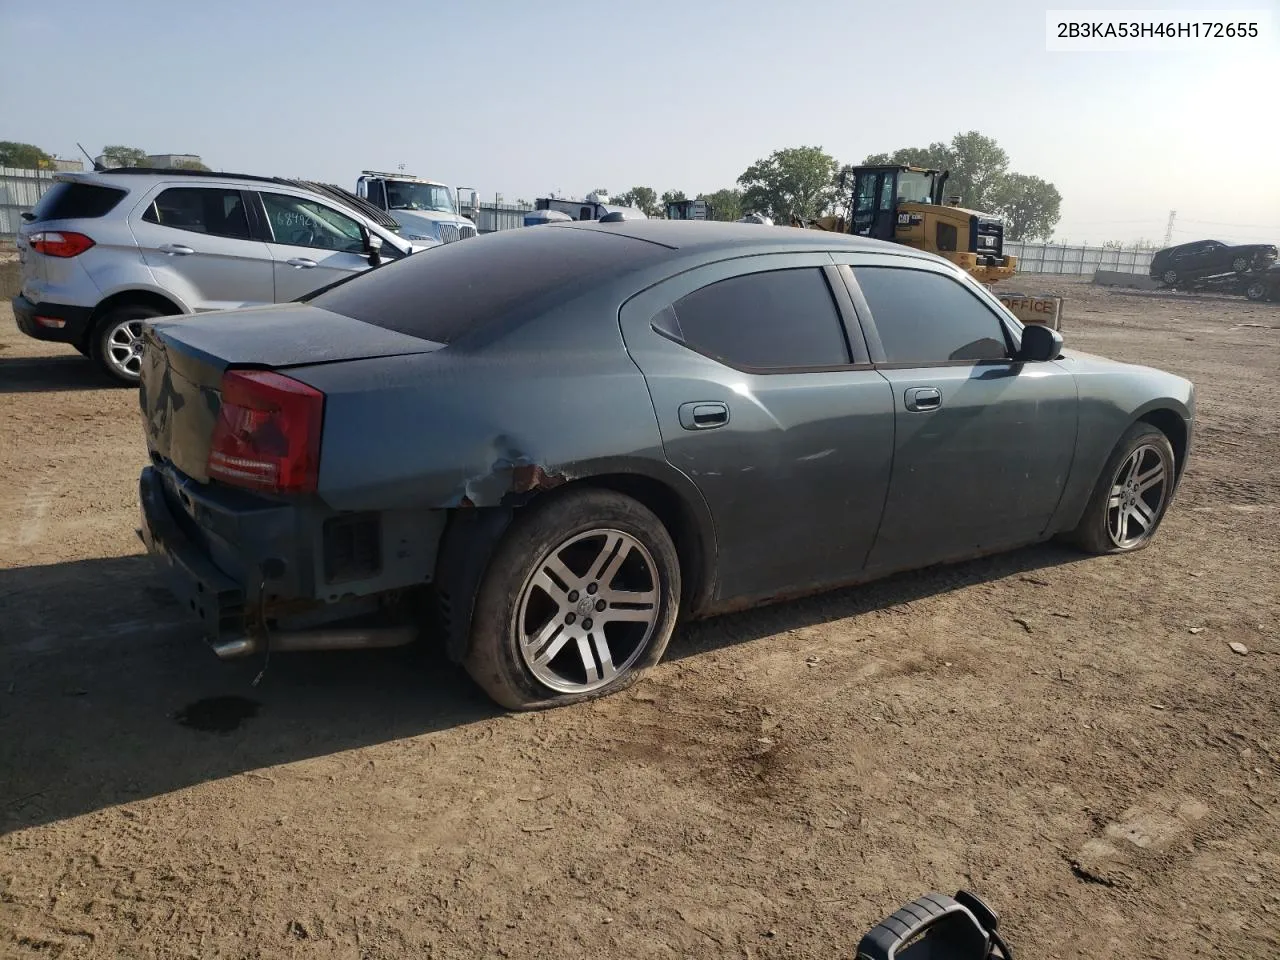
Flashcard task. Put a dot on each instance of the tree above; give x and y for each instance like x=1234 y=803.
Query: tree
x=1028 y=205
x=980 y=176
x=644 y=199
x=726 y=204
x=190 y=165
x=25 y=156
x=600 y=191
x=797 y=180
x=119 y=156
x=672 y=196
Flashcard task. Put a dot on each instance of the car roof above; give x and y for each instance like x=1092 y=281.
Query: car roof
x=708 y=235
x=147 y=176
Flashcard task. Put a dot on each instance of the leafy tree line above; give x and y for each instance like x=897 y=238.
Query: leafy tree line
x=806 y=181
x=30 y=157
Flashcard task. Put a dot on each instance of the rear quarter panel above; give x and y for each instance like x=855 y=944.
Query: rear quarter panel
x=484 y=423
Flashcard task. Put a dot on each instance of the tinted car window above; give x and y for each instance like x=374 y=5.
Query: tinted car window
x=79 y=201
x=779 y=318
x=926 y=317
x=216 y=211
x=457 y=288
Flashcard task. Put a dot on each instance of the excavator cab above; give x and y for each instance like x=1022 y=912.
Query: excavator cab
x=906 y=205
x=690 y=210
x=877 y=192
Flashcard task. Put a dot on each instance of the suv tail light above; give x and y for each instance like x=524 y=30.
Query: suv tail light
x=267 y=436
x=59 y=243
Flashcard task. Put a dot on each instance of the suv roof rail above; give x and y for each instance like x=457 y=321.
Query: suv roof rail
x=332 y=191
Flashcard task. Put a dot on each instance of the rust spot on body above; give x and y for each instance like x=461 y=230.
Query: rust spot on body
x=529 y=477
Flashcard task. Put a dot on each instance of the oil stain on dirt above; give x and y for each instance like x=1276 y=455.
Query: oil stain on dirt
x=217 y=714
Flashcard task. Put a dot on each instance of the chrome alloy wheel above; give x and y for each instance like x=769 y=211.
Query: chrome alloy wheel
x=588 y=611
x=124 y=348
x=1137 y=497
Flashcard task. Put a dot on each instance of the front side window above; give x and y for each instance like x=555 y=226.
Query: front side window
x=776 y=319
x=215 y=211
x=925 y=317
x=306 y=223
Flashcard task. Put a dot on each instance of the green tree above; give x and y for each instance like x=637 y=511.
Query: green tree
x=980 y=176
x=1029 y=206
x=645 y=199
x=797 y=180
x=673 y=196
x=190 y=165
x=25 y=156
x=726 y=204
x=119 y=156
x=976 y=163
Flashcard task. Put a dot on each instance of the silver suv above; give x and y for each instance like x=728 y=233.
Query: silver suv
x=104 y=251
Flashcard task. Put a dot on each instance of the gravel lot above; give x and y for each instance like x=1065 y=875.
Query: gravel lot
x=1071 y=737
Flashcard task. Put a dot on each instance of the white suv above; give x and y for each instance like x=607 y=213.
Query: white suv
x=104 y=251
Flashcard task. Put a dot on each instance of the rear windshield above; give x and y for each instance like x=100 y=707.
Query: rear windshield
x=76 y=201
x=444 y=292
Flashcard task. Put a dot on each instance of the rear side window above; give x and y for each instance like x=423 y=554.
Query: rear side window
x=216 y=211
x=926 y=317
x=776 y=319
x=77 y=201
x=456 y=288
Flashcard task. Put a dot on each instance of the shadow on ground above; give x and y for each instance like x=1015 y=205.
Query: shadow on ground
x=107 y=697
x=44 y=374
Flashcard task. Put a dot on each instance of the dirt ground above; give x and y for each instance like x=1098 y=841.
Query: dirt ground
x=1071 y=737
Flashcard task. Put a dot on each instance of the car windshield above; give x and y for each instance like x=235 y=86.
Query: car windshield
x=403 y=195
x=915 y=187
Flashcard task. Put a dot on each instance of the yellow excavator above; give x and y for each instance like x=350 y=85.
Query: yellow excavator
x=906 y=205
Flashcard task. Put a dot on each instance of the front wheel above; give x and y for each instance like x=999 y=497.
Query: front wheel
x=117 y=342
x=1131 y=495
x=579 y=600
x=1256 y=291
x=1240 y=264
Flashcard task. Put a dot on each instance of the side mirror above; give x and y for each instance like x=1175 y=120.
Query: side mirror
x=373 y=244
x=1039 y=343
x=468 y=202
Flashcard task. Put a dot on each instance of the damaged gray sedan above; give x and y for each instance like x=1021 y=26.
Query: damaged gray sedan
x=544 y=446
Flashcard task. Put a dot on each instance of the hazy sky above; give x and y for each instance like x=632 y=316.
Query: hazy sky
x=522 y=98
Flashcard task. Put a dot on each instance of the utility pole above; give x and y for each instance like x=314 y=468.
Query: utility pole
x=1168 y=231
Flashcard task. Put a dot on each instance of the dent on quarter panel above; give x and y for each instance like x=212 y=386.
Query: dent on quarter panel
x=455 y=428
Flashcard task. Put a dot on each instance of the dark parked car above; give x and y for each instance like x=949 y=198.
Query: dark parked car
x=1188 y=262
x=1265 y=285
x=564 y=437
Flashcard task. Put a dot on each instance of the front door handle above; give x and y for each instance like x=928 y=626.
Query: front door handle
x=923 y=399
x=175 y=249
x=301 y=263
x=703 y=415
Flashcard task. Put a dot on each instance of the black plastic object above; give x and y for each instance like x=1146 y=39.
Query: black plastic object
x=937 y=927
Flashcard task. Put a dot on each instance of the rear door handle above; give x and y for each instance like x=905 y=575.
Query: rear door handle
x=703 y=415
x=175 y=249
x=923 y=399
x=300 y=263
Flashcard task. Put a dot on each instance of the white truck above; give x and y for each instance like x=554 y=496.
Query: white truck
x=428 y=211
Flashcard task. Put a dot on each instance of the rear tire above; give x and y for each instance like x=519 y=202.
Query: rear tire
x=1169 y=278
x=1131 y=495
x=537 y=642
x=116 y=345
x=1256 y=291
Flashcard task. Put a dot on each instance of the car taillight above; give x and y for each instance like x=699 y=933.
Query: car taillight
x=267 y=436
x=59 y=243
